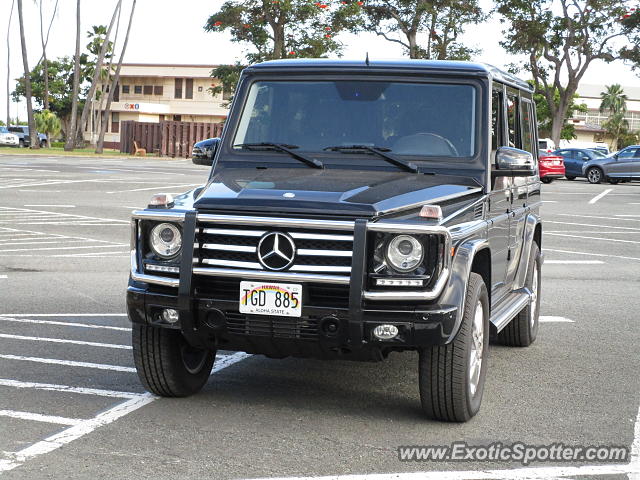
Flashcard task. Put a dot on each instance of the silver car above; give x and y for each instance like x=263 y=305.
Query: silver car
x=623 y=165
x=7 y=138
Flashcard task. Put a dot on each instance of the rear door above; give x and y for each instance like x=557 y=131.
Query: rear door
x=635 y=165
x=624 y=165
x=570 y=158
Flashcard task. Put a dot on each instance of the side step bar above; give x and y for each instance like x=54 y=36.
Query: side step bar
x=509 y=308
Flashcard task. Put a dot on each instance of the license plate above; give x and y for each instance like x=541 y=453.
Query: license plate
x=265 y=298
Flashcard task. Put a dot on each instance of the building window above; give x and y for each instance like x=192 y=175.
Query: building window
x=125 y=88
x=178 y=90
x=199 y=89
x=148 y=89
x=115 y=122
x=158 y=90
x=177 y=118
x=189 y=89
x=137 y=89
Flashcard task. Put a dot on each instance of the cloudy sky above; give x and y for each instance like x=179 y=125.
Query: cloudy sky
x=169 y=31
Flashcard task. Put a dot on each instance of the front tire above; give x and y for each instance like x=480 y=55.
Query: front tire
x=569 y=177
x=613 y=181
x=523 y=329
x=594 y=175
x=452 y=376
x=167 y=365
x=546 y=180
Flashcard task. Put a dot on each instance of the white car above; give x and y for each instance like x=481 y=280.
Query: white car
x=8 y=139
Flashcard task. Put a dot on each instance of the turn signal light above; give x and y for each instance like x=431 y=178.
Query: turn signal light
x=431 y=211
x=161 y=200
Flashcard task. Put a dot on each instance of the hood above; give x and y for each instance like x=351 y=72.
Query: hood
x=205 y=143
x=329 y=191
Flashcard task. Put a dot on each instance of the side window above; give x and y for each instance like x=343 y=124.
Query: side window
x=496 y=120
x=513 y=114
x=628 y=153
x=527 y=127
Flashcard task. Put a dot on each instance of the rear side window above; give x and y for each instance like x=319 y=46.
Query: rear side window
x=513 y=126
x=496 y=120
x=527 y=127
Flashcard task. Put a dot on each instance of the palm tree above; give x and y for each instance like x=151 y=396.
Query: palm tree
x=613 y=99
x=114 y=83
x=70 y=140
x=9 y=65
x=96 y=76
x=44 y=41
x=48 y=123
x=27 y=81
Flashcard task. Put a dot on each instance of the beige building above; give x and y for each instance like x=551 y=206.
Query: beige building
x=158 y=92
x=589 y=125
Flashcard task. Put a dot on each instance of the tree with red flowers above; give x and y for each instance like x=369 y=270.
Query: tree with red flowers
x=274 y=29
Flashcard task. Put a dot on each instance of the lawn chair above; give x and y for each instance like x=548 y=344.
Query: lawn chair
x=137 y=150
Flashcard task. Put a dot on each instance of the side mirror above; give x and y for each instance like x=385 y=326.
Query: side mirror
x=514 y=162
x=586 y=159
x=209 y=154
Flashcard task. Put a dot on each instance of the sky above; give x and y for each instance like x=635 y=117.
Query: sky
x=166 y=31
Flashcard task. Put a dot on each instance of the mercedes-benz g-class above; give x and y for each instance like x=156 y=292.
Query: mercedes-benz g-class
x=353 y=209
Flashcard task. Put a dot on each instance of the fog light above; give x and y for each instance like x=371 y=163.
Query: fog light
x=162 y=268
x=396 y=282
x=385 y=332
x=170 y=315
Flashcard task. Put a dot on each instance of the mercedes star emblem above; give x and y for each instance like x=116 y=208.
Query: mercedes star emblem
x=276 y=251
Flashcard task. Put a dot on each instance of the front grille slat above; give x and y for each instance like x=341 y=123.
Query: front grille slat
x=236 y=246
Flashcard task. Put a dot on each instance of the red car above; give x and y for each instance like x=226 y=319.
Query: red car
x=551 y=167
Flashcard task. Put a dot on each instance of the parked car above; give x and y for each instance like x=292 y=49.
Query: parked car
x=203 y=151
x=22 y=132
x=318 y=234
x=551 y=167
x=574 y=158
x=7 y=138
x=546 y=145
x=621 y=166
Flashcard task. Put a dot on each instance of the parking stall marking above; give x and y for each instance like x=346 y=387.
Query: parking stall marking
x=64 y=340
x=26 y=216
x=66 y=389
x=574 y=262
x=600 y=196
x=37 y=417
x=67 y=363
x=591 y=254
x=64 y=324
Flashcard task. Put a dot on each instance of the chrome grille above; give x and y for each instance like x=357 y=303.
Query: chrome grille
x=232 y=246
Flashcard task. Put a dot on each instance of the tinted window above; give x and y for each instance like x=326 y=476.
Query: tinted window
x=409 y=118
x=496 y=120
x=3 y=129
x=627 y=153
x=513 y=114
x=137 y=89
x=527 y=127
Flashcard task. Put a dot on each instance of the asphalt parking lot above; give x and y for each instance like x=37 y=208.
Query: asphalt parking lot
x=71 y=405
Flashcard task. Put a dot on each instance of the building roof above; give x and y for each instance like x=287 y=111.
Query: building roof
x=437 y=66
x=587 y=90
x=163 y=70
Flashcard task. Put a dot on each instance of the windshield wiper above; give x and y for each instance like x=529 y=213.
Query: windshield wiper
x=381 y=152
x=286 y=148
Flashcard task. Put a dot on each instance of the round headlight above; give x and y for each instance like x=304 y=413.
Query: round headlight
x=404 y=253
x=166 y=240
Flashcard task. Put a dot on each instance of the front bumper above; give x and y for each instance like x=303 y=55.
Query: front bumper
x=212 y=323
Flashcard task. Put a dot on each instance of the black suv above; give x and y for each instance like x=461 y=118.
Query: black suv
x=353 y=209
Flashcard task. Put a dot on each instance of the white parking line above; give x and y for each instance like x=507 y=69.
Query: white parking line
x=593 y=238
x=63 y=315
x=554 y=319
x=158 y=188
x=87 y=426
x=64 y=340
x=63 y=324
x=599 y=196
x=590 y=254
x=592 y=225
x=574 y=262
x=68 y=363
x=66 y=388
x=37 y=417
x=596 y=216
x=62 y=248
x=52 y=206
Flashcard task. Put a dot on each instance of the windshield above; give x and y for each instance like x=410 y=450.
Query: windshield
x=598 y=153
x=421 y=119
